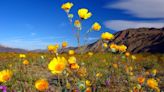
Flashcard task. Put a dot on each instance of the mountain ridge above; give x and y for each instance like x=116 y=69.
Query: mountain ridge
x=10 y=49
x=136 y=39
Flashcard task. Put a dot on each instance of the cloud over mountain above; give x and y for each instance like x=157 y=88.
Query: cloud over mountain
x=125 y=24
x=140 y=8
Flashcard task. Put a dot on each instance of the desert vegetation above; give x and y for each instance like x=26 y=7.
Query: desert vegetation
x=115 y=70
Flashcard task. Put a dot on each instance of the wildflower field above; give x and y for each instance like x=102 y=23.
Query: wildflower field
x=116 y=70
x=96 y=73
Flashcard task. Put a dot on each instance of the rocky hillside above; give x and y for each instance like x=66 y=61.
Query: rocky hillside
x=142 y=40
x=137 y=40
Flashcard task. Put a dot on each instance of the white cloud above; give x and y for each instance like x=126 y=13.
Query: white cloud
x=26 y=44
x=141 y=8
x=92 y=38
x=124 y=24
x=30 y=44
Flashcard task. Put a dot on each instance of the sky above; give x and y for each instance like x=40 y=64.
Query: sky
x=34 y=24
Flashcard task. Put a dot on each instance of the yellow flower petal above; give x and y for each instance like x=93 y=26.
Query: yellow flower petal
x=5 y=75
x=41 y=85
x=96 y=26
x=64 y=44
x=67 y=6
x=107 y=36
x=152 y=83
x=84 y=14
x=57 y=65
x=72 y=60
x=71 y=52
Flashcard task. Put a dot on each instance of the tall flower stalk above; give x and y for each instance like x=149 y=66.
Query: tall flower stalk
x=95 y=27
x=83 y=15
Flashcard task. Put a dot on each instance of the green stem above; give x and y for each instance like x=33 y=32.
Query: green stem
x=78 y=38
x=59 y=81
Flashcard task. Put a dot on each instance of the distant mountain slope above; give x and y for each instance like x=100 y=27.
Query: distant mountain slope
x=39 y=50
x=137 y=40
x=8 y=49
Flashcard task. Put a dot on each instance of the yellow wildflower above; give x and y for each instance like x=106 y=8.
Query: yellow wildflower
x=141 y=80
x=96 y=26
x=154 y=71
x=90 y=53
x=84 y=14
x=67 y=6
x=53 y=48
x=72 y=60
x=57 y=65
x=88 y=89
x=68 y=85
x=113 y=47
x=88 y=83
x=77 y=23
x=122 y=48
x=127 y=54
x=107 y=36
x=25 y=62
x=75 y=66
x=71 y=52
x=41 y=85
x=64 y=44
x=50 y=47
x=105 y=45
x=5 y=75
x=134 y=57
x=152 y=83
x=22 y=55
x=56 y=47
x=99 y=75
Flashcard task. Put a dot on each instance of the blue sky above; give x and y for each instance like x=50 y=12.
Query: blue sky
x=33 y=24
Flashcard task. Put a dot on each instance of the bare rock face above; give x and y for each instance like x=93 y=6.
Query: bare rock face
x=137 y=40
x=142 y=40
